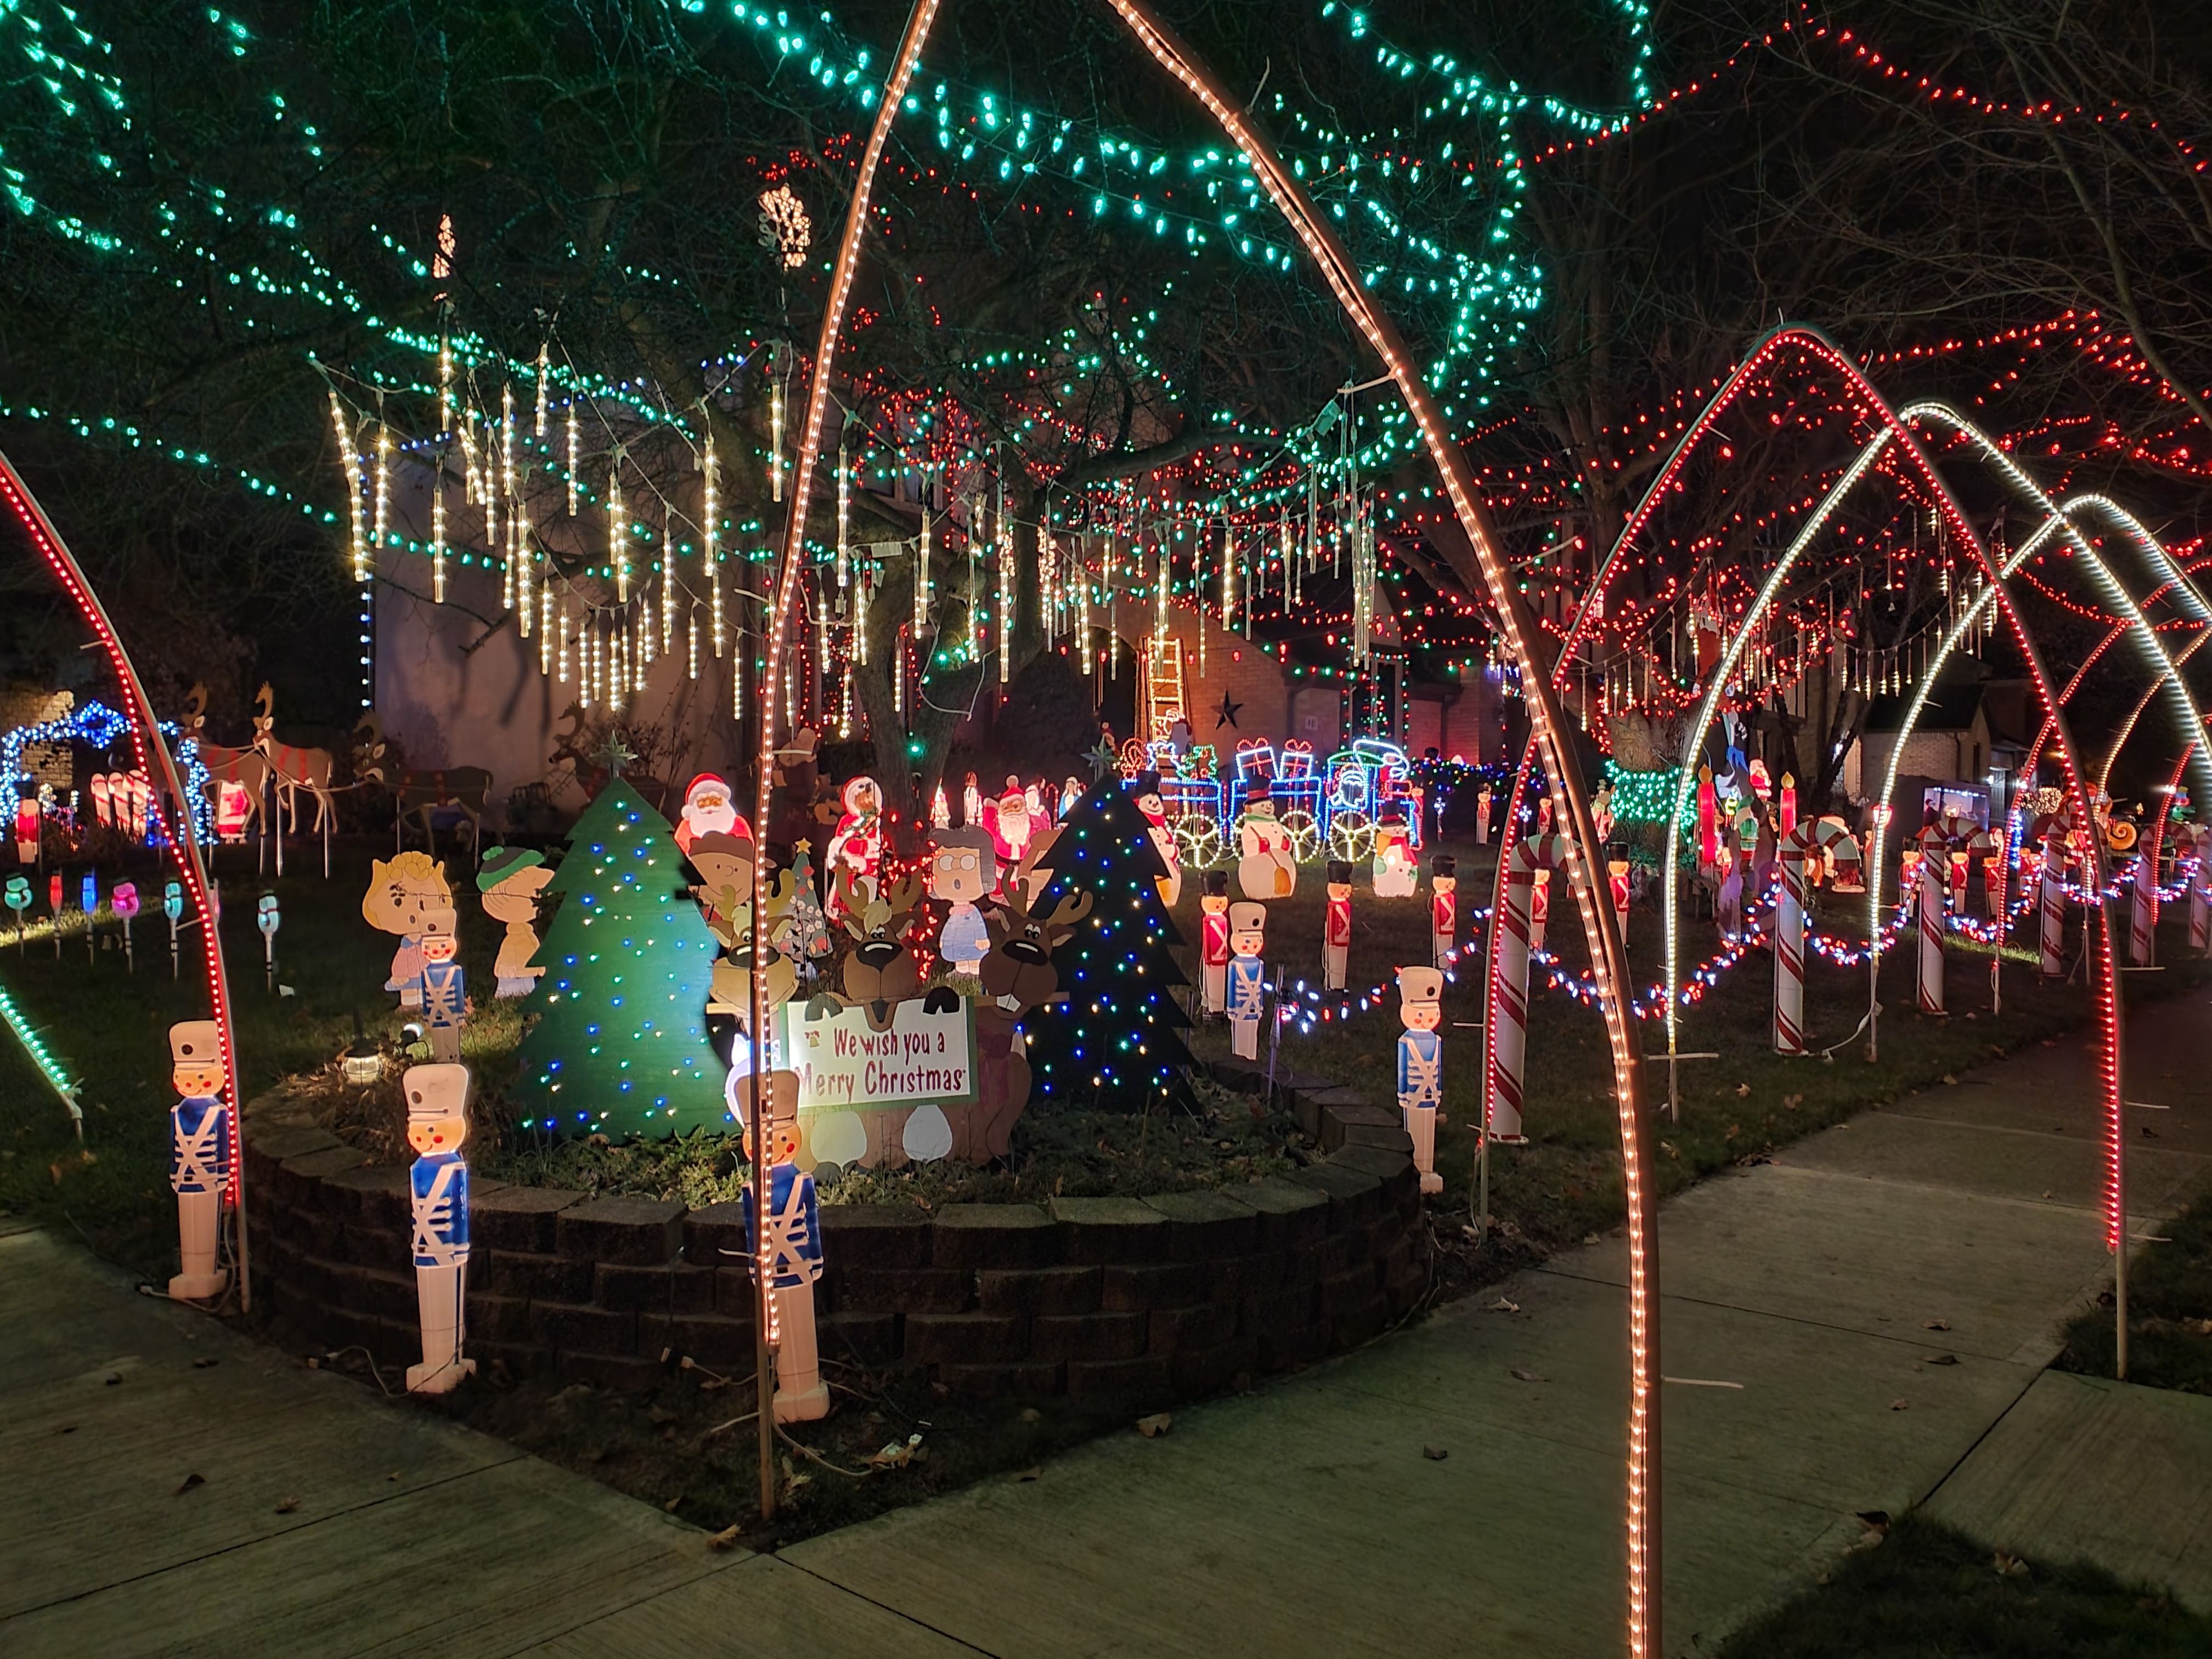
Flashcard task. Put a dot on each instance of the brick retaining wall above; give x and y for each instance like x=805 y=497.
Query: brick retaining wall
x=1181 y=1293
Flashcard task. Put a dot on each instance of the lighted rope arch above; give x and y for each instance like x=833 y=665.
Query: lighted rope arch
x=1547 y=721
x=184 y=845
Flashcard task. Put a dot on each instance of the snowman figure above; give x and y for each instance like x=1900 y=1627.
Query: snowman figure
x=1247 y=976
x=1396 y=875
x=437 y=1191
x=1265 y=868
x=1146 y=789
x=199 y=1155
x=1421 y=1065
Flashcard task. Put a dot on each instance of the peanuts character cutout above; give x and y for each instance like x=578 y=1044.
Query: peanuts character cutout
x=402 y=891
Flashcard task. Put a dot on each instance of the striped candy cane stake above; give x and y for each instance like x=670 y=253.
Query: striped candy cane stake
x=1510 y=988
x=2142 y=912
x=1790 y=951
x=1539 y=907
x=2196 y=847
x=1617 y=877
x=2053 y=897
x=1827 y=837
x=1929 y=987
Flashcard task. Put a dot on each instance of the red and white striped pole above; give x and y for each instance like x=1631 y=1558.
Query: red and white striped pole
x=1930 y=985
x=2054 y=907
x=1509 y=1044
x=1790 y=951
x=2199 y=851
x=1617 y=877
x=1509 y=1002
x=1539 y=907
x=2142 y=912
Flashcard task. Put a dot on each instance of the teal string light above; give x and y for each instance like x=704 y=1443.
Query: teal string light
x=41 y=1056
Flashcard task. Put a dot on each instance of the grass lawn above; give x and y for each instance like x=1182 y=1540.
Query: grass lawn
x=1926 y=1592
x=2169 y=1312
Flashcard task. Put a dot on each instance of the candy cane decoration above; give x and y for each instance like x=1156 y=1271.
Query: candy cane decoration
x=2193 y=844
x=1617 y=878
x=2142 y=912
x=1509 y=971
x=1540 y=908
x=1809 y=840
x=2052 y=896
x=1929 y=987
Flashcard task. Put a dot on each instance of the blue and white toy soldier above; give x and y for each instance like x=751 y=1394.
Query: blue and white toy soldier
x=1248 y=977
x=438 y=1185
x=199 y=1155
x=792 y=1252
x=444 y=985
x=1421 y=1065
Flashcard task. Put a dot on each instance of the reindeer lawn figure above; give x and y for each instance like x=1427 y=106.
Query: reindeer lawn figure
x=248 y=770
x=292 y=770
x=1017 y=977
x=880 y=973
x=420 y=795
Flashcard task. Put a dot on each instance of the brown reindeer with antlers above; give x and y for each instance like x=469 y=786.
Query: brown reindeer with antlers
x=420 y=794
x=1017 y=977
x=248 y=768
x=292 y=770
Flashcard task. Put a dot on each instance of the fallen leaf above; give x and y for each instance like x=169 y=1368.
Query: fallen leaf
x=1525 y=1376
x=1022 y=1475
x=1897 y=1406
x=1157 y=1425
x=1934 y=1324
x=669 y=1508
x=1948 y=1078
x=286 y=1505
x=1876 y=1518
x=1031 y=1414
x=2009 y=1566
x=1505 y=1305
x=203 y=1363
x=725 y=1540
x=658 y=1414
x=112 y=1378
x=1590 y=1239
x=1743 y=1088
x=1435 y=1453
x=191 y=1481
x=1941 y=1359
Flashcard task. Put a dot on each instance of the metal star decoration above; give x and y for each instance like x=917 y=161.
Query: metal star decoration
x=614 y=754
x=1226 y=714
x=1104 y=761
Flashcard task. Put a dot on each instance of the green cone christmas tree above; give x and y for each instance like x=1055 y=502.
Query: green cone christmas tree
x=1117 y=1040
x=620 y=1046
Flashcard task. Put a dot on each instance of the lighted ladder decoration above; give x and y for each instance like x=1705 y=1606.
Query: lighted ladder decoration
x=1164 y=699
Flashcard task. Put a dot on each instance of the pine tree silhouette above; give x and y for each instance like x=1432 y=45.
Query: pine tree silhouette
x=1117 y=1040
x=620 y=1046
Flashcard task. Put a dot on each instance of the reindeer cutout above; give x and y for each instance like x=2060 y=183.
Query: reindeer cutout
x=247 y=768
x=419 y=795
x=1017 y=977
x=881 y=972
x=292 y=771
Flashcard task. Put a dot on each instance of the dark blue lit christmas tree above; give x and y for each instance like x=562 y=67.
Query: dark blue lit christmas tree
x=620 y=1045
x=1116 y=1041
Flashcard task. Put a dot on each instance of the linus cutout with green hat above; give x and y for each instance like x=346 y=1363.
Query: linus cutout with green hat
x=509 y=879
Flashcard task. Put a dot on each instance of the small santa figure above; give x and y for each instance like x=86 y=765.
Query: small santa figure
x=1443 y=909
x=1213 y=943
x=1421 y=1065
x=437 y=1193
x=856 y=849
x=791 y=1252
x=709 y=810
x=199 y=1155
x=1009 y=820
x=1248 y=977
x=1336 y=926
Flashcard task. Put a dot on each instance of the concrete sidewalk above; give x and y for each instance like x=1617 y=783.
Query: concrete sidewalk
x=1806 y=1382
